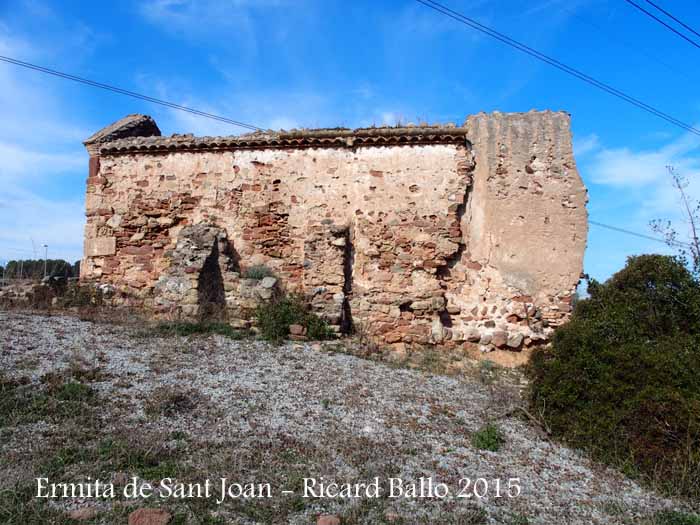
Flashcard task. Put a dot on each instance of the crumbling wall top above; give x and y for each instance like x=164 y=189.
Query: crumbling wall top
x=135 y=125
x=140 y=133
x=296 y=138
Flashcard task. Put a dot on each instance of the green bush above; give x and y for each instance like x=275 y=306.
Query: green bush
x=74 y=391
x=488 y=437
x=258 y=272
x=622 y=378
x=274 y=318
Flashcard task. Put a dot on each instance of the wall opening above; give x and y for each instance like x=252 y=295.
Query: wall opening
x=210 y=287
x=346 y=324
x=445 y=318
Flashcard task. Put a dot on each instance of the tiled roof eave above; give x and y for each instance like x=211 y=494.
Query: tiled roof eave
x=290 y=140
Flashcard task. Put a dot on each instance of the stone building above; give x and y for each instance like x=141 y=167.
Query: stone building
x=446 y=235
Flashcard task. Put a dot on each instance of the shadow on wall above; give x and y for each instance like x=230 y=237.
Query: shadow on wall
x=201 y=264
x=210 y=287
x=346 y=324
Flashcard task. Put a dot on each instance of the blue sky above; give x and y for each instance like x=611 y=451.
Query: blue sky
x=317 y=63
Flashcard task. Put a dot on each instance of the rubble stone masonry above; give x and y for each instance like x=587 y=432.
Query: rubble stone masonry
x=466 y=235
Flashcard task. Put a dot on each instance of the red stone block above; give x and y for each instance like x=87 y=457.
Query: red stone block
x=93 y=166
x=136 y=250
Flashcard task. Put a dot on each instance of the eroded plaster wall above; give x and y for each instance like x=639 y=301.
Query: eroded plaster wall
x=476 y=241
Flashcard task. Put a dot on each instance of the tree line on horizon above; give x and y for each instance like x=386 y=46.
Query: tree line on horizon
x=34 y=269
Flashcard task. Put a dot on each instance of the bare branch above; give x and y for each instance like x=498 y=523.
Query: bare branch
x=691 y=210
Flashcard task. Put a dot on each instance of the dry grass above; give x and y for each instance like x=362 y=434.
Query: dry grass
x=206 y=407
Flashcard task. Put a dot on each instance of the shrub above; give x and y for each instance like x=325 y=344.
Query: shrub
x=622 y=378
x=274 y=318
x=74 y=391
x=488 y=437
x=257 y=272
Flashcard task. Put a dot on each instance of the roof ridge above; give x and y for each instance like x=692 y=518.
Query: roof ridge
x=296 y=138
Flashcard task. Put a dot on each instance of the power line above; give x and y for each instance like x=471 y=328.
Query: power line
x=635 y=48
x=673 y=17
x=446 y=11
x=640 y=235
x=128 y=93
x=595 y=223
x=667 y=26
x=555 y=63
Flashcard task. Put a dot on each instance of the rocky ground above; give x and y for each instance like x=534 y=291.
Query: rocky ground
x=198 y=407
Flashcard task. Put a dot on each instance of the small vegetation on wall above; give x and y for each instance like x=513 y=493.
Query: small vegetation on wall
x=622 y=379
x=274 y=319
x=258 y=272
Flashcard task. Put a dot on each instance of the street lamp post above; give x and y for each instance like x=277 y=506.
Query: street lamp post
x=46 y=255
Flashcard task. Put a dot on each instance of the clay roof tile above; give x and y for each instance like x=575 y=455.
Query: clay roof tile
x=140 y=133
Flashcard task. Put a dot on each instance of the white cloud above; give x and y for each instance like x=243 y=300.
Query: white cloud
x=625 y=167
x=282 y=113
x=207 y=19
x=664 y=200
x=640 y=188
x=20 y=162
x=41 y=154
x=31 y=110
x=269 y=109
x=585 y=145
x=28 y=217
x=387 y=117
x=283 y=123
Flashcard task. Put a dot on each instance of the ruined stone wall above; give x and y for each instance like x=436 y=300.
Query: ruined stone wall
x=473 y=235
x=524 y=231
